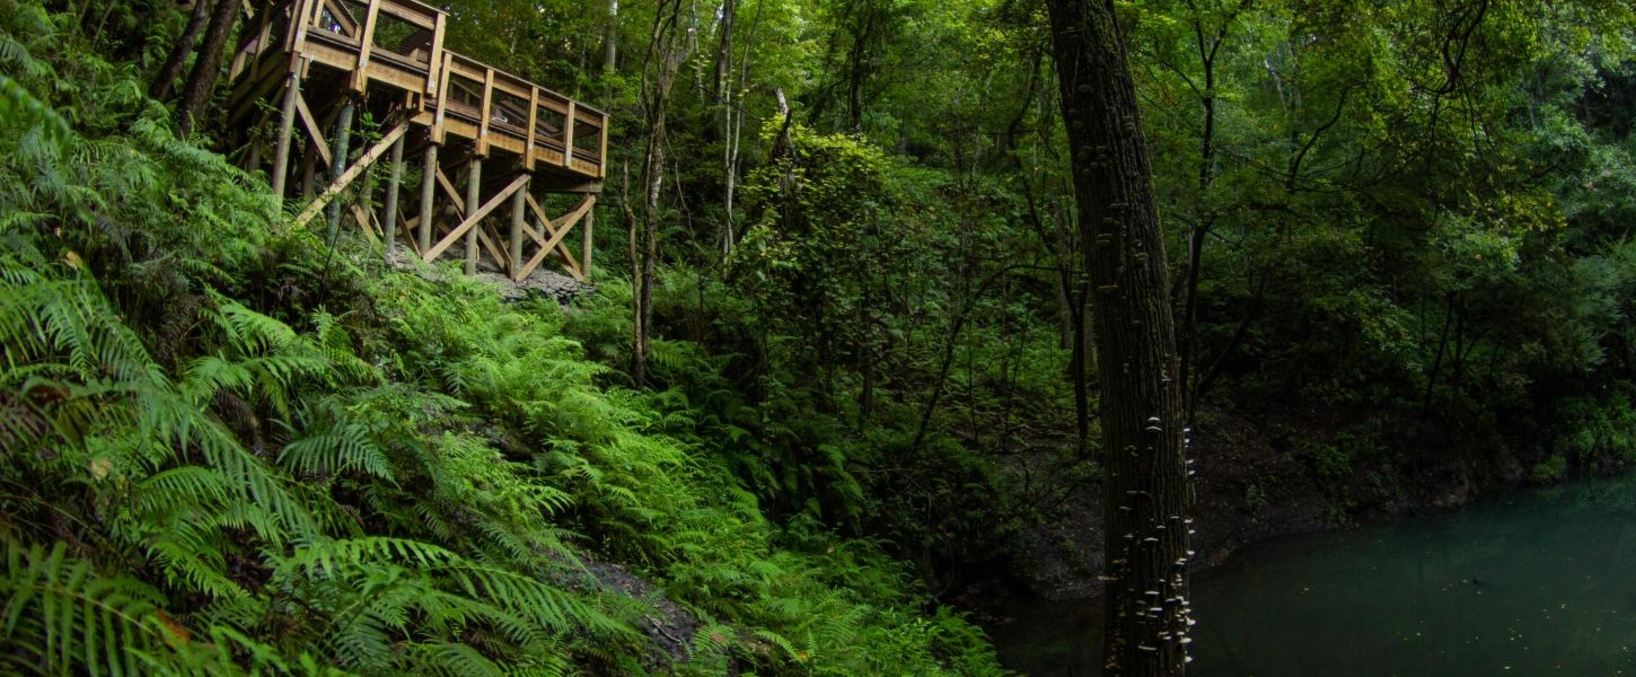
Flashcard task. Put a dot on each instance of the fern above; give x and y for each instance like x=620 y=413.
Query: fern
x=331 y=445
x=62 y=618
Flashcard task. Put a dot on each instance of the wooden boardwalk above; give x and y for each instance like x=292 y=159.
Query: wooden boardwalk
x=308 y=73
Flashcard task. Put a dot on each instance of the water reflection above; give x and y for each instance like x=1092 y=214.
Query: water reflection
x=1528 y=583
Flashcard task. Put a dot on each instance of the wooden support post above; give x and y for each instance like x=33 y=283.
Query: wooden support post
x=585 y=254
x=389 y=227
x=474 y=190
x=568 y=136
x=366 y=45
x=252 y=153
x=518 y=212
x=434 y=62
x=486 y=112
x=533 y=125
x=343 y=137
x=428 y=189
x=602 y=153
x=309 y=171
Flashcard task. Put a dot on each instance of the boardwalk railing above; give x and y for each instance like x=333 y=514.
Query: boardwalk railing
x=399 y=43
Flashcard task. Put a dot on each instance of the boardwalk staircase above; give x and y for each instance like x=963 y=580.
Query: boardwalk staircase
x=493 y=150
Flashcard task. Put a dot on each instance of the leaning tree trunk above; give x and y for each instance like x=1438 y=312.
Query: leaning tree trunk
x=202 y=83
x=1147 y=496
x=166 y=81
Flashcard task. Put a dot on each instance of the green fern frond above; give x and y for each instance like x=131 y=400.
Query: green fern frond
x=331 y=557
x=60 y=617
x=17 y=103
x=447 y=658
x=203 y=377
x=336 y=347
x=341 y=448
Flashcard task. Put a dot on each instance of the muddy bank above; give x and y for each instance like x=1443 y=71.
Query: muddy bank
x=1245 y=491
x=1254 y=482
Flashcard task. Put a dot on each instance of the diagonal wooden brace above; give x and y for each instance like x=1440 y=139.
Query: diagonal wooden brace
x=550 y=228
x=346 y=178
x=566 y=224
x=450 y=191
x=473 y=219
x=311 y=123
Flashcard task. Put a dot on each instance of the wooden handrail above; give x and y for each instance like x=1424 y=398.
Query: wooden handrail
x=399 y=44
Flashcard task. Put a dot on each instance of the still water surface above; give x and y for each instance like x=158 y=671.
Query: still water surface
x=1538 y=582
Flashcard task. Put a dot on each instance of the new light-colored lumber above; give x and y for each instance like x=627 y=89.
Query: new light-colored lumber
x=548 y=224
x=556 y=239
x=366 y=44
x=340 y=184
x=313 y=130
x=472 y=219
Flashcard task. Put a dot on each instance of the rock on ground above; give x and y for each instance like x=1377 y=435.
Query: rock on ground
x=542 y=282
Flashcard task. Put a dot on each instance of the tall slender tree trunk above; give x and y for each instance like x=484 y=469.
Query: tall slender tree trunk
x=724 y=53
x=1147 y=493
x=165 y=82
x=861 y=57
x=733 y=115
x=1200 y=234
x=610 y=40
x=1208 y=45
x=202 y=83
x=667 y=50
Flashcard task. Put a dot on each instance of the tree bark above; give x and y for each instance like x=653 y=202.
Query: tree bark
x=667 y=50
x=724 y=53
x=202 y=83
x=863 y=36
x=610 y=40
x=1147 y=493
x=165 y=82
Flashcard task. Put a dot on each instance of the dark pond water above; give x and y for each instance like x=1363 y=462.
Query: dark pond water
x=1538 y=582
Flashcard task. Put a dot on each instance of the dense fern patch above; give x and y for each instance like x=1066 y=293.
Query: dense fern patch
x=225 y=448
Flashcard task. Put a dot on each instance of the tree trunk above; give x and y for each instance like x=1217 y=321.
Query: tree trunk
x=1147 y=494
x=1205 y=212
x=724 y=53
x=202 y=83
x=639 y=345
x=667 y=50
x=165 y=82
x=862 y=37
x=610 y=40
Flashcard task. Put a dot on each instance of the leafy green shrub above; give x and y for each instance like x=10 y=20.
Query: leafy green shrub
x=1549 y=471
